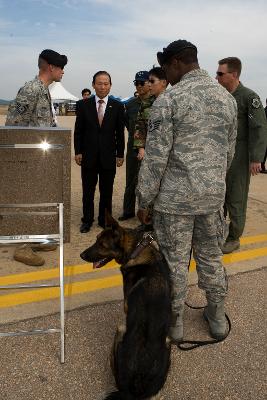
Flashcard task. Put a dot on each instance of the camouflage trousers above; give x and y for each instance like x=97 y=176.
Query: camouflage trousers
x=175 y=235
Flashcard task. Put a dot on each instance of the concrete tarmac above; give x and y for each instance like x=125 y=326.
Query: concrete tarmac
x=232 y=370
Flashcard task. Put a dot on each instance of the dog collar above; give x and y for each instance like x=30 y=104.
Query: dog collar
x=144 y=242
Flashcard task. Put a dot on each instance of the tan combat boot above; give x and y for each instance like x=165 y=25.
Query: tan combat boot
x=176 y=331
x=44 y=246
x=26 y=255
x=215 y=316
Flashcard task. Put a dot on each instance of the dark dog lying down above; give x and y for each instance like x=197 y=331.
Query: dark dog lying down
x=141 y=352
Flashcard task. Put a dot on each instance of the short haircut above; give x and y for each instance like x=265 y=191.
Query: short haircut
x=101 y=73
x=158 y=72
x=233 y=64
x=86 y=91
x=187 y=56
x=42 y=64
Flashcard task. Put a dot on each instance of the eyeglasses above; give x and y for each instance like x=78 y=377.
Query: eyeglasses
x=139 y=83
x=153 y=80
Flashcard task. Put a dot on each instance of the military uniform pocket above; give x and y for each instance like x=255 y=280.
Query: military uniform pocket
x=220 y=227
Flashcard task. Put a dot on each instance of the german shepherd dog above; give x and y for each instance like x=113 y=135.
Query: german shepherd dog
x=140 y=357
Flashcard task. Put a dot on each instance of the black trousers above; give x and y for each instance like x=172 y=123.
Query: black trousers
x=263 y=168
x=89 y=181
x=132 y=169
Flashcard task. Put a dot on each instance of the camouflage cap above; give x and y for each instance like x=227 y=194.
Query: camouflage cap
x=172 y=49
x=54 y=58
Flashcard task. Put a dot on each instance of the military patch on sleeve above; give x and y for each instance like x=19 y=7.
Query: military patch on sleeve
x=21 y=108
x=153 y=125
x=256 y=102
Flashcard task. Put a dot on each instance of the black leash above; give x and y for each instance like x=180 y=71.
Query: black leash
x=186 y=345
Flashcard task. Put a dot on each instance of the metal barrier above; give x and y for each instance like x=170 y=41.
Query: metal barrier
x=35 y=185
x=44 y=239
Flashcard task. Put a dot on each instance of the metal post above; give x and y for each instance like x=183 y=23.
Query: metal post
x=61 y=283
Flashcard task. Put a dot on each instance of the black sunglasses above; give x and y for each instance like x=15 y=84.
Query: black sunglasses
x=139 y=83
x=219 y=73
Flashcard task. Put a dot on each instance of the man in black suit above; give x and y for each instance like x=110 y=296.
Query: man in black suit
x=99 y=147
x=86 y=93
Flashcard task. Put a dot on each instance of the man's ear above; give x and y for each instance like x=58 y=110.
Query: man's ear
x=235 y=74
x=110 y=221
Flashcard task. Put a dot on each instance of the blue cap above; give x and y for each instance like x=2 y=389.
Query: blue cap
x=141 y=76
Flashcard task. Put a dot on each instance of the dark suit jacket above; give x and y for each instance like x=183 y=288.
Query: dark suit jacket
x=78 y=103
x=99 y=144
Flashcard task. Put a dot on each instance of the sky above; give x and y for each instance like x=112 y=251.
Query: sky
x=124 y=36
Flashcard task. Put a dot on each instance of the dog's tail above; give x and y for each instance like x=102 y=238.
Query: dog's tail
x=118 y=395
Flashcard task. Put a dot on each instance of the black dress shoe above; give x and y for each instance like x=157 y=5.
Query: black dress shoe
x=101 y=224
x=85 y=227
x=124 y=217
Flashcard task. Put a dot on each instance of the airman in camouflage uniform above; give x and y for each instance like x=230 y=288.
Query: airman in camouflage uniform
x=142 y=122
x=250 y=148
x=33 y=107
x=190 y=144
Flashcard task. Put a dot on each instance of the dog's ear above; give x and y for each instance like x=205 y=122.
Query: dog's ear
x=110 y=222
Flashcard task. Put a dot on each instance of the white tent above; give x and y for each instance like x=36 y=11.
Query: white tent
x=59 y=93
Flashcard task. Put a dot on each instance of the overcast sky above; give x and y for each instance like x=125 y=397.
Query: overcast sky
x=123 y=36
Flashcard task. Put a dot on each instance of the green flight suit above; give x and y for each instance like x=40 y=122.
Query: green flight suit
x=250 y=147
x=132 y=163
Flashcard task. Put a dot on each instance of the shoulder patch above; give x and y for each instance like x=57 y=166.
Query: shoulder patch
x=256 y=102
x=153 y=125
x=21 y=108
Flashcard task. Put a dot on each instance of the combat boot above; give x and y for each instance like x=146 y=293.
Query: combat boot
x=176 y=331
x=214 y=314
x=230 y=246
x=44 y=246
x=27 y=256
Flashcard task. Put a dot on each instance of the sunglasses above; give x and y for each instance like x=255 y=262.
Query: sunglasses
x=219 y=73
x=153 y=80
x=139 y=83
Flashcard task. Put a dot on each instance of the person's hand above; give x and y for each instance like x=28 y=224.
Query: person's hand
x=119 y=161
x=78 y=159
x=144 y=216
x=141 y=153
x=255 y=168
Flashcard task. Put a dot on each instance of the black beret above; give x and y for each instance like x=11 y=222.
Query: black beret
x=54 y=58
x=172 y=49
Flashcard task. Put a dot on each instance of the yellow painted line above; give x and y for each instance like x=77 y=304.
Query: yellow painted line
x=53 y=273
x=237 y=257
x=85 y=268
x=39 y=295
x=253 y=239
x=88 y=268
x=245 y=255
